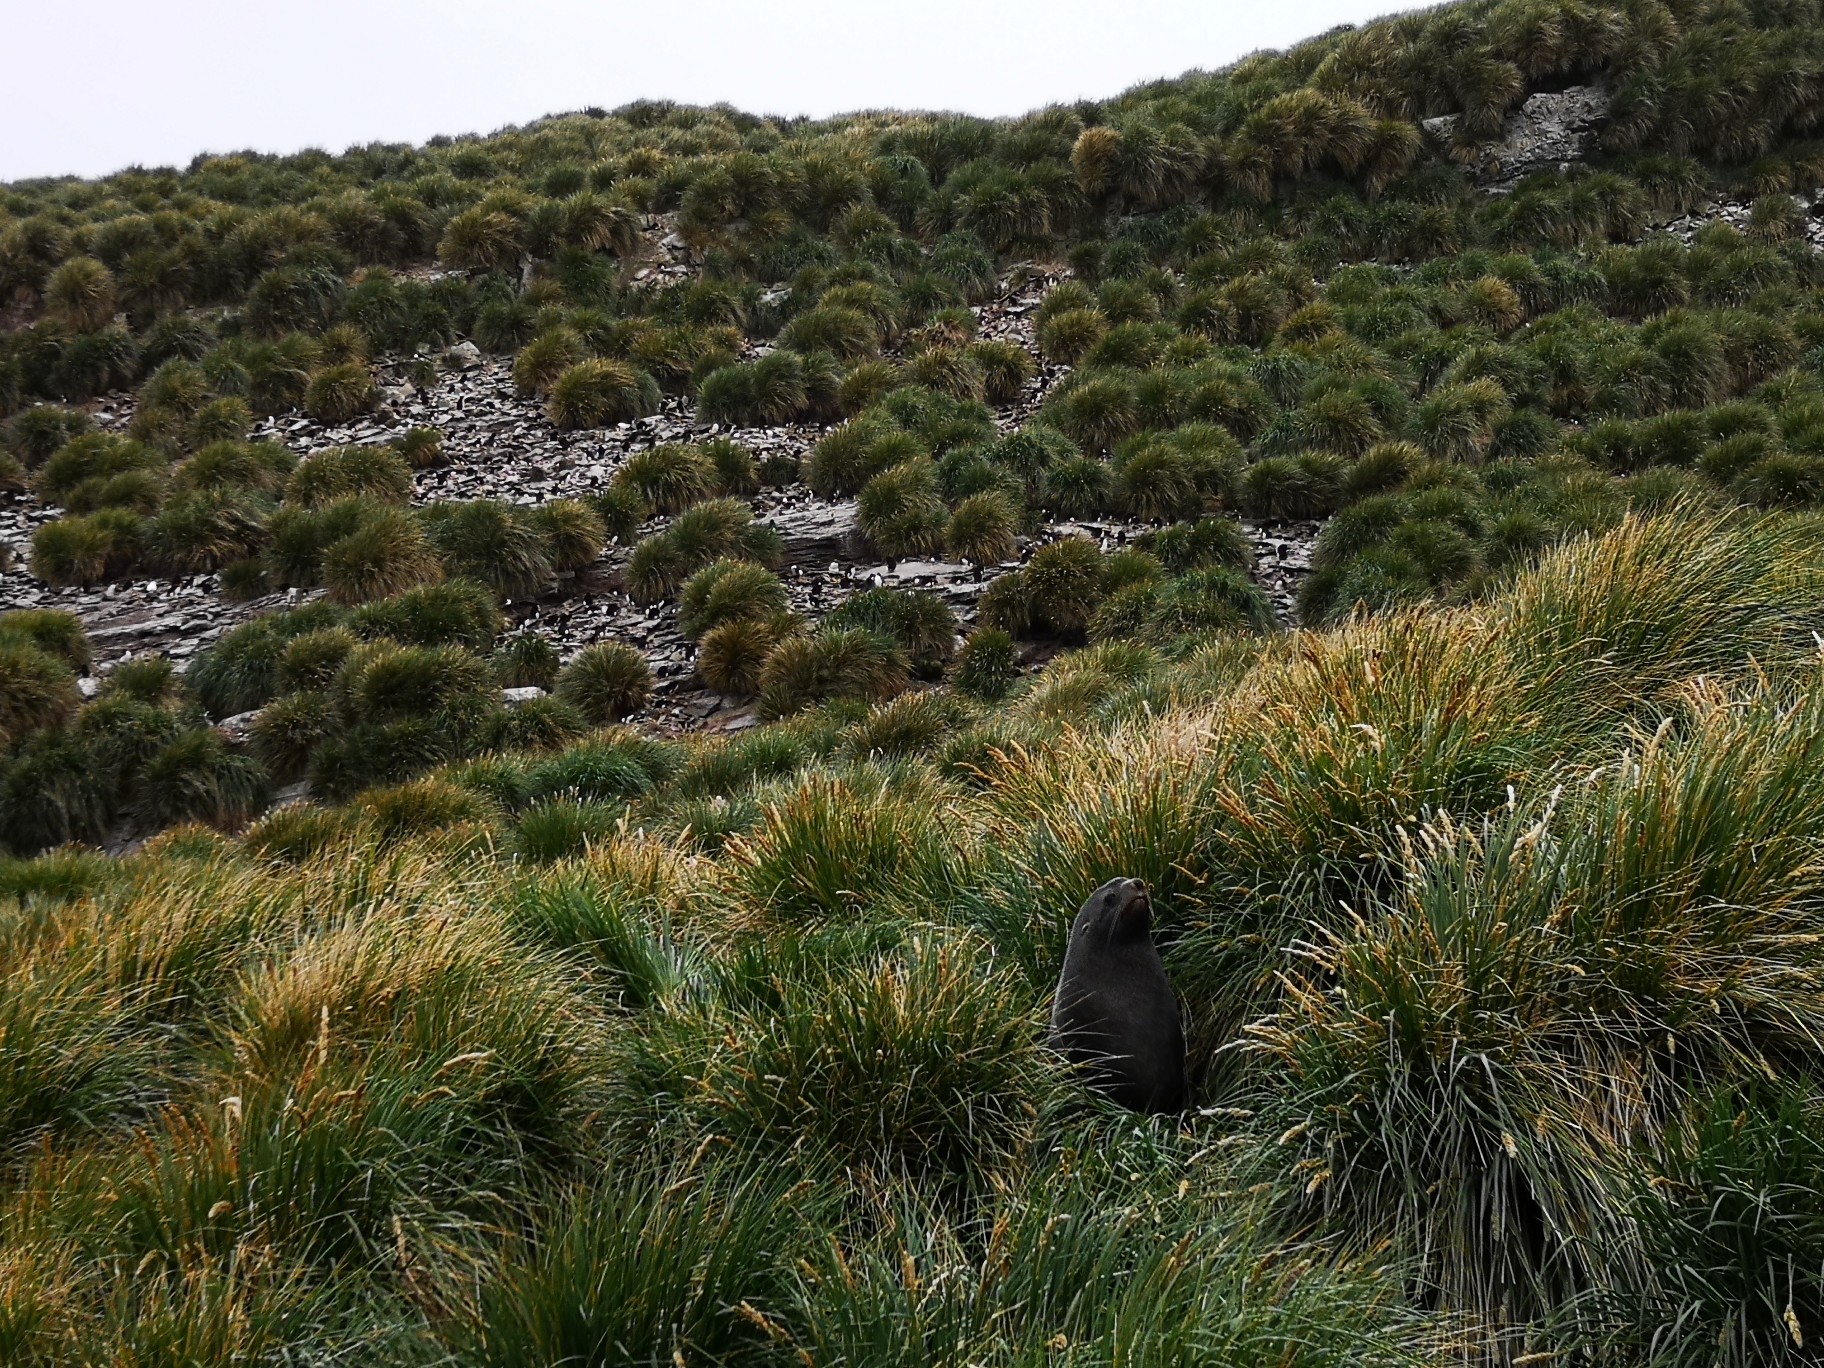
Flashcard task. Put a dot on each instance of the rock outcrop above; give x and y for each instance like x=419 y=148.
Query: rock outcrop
x=1549 y=131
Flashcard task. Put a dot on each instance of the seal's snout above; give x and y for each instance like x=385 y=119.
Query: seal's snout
x=1137 y=905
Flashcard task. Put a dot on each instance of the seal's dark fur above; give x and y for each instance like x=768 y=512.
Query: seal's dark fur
x=1115 y=1011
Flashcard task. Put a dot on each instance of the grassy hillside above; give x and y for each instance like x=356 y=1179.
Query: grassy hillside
x=532 y=1036
x=1497 y=930
x=1277 y=296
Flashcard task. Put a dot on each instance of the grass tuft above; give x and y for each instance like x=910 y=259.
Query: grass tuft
x=606 y=682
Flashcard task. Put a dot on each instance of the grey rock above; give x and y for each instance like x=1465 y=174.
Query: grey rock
x=817 y=533
x=291 y=795
x=1546 y=132
x=237 y=729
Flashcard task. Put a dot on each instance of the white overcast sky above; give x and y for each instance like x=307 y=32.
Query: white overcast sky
x=91 y=87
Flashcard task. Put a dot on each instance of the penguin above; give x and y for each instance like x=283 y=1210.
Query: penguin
x=1115 y=1013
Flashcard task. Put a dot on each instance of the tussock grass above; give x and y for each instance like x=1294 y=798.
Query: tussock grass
x=605 y=682
x=678 y=1258
x=40 y=689
x=1088 y=1256
x=1495 y=928
x=1542 y=988
x=1490 y=896
x=837 y=846
x=914 y=1061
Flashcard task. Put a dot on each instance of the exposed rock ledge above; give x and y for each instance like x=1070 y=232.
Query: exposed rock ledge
x=1548 y=131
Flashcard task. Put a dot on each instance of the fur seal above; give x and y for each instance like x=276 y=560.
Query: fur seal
x=1115 y=1011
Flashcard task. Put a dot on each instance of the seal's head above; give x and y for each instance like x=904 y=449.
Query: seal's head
x=1121 y=910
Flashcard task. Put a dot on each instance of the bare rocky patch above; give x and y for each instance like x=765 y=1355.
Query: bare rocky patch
x=499 y=444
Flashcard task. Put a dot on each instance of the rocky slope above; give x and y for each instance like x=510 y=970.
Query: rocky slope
x=500 y=445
